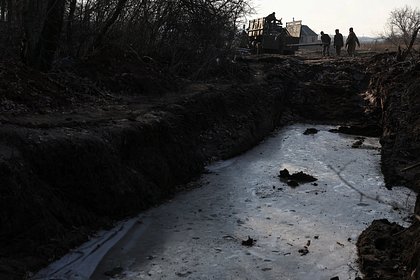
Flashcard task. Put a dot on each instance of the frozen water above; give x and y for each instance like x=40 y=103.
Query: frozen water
x=198 y=235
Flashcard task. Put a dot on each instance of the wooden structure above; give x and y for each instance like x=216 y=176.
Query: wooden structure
x=270 y=36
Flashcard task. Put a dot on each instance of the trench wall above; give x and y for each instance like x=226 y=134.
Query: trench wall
x=59 y=184
x=395 y=90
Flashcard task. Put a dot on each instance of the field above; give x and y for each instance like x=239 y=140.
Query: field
x=365 y=48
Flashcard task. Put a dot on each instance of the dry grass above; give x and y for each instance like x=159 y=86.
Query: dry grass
x=383 y=47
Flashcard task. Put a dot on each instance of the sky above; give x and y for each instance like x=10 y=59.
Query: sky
x=367 y=17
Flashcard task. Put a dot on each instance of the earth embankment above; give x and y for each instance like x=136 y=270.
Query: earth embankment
x=388 y=251
x=60 y=183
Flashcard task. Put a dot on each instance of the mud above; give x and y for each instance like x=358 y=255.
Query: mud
x=75 y=156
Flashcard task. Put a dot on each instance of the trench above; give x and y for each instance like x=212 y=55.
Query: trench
x=64 y=183
x=306 y=232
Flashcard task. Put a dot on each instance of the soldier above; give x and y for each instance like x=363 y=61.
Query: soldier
x=351 y=42
x=338 y=42
x=271 y=18
x=270 y=21
x=326 y=42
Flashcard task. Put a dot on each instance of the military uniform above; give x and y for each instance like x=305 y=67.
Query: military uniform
x=338 y=42
x=351 y=42
x=326 y=42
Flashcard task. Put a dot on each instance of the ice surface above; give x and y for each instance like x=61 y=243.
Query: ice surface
x=198 y=235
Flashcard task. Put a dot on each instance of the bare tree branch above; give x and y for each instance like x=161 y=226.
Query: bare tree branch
x=404 y=24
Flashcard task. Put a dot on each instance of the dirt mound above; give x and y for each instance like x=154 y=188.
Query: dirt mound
x=383 y=251
x=296 y=178
x=378 y=251
x=120 y=71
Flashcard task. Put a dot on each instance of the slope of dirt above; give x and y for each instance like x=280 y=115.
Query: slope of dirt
x=386 y=250
x=77 y=153
x=60 y=183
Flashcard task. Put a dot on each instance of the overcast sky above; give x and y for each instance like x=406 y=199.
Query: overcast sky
x=367 y=17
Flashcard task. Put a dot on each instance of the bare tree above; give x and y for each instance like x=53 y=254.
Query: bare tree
x=69 y=24
x=109 y=22
x=3 y=9
x=42 y=27
x=404 y=25
x=184 y=34
x=10 y=11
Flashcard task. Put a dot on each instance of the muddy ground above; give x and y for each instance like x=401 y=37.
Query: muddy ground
x=99 y=140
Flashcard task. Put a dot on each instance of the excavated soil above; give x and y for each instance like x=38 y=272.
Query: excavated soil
x=386 y=250
x=80 y=150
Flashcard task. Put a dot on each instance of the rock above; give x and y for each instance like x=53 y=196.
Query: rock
x=304 y=251
x=294 y=179
x=284 y=173
x=357 y=144
x=292 y=183
x=249 y=242
x=302 y=177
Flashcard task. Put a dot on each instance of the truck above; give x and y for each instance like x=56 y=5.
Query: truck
x=267 y=35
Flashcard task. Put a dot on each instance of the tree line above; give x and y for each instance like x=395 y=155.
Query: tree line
x=186 y=34
x=403 y=27
x=183 y=33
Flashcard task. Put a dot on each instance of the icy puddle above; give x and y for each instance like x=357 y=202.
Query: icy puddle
x=307 y=232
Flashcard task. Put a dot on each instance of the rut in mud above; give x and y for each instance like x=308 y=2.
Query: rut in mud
x=83 y=170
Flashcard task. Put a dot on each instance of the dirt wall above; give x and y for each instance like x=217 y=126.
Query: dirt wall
x=60 y=184
x=388 y=251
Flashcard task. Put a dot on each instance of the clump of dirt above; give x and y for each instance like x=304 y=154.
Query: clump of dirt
x=380 y=250
x=296 y=178
x=249 y=242
x=310 y=131
x=370 y=130
x=358 y=143
x=305 y=250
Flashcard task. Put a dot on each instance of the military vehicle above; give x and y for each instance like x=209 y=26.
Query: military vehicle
x=267 y=35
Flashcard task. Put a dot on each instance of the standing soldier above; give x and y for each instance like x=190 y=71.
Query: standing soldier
x=271 y=18
x=351 y=42
x=326 y=41
x=271 y=21
x=338 y=42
